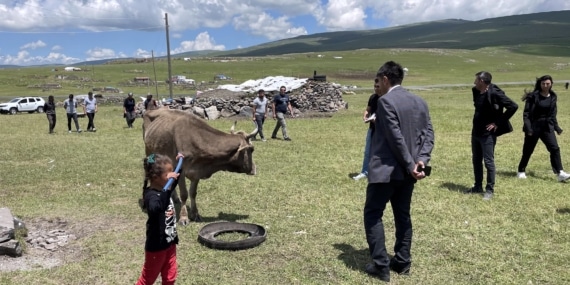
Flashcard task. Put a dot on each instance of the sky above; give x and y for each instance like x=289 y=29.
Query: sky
x=35 y=32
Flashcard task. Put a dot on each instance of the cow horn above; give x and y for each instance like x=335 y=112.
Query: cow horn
x=252 y=134
x=232 y=129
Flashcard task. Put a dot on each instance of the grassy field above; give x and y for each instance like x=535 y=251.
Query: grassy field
x=302 y=195
x=355 y=68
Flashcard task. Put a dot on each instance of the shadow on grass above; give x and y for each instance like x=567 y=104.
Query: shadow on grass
x=353 y=258
x=221 y=216
x=455 y=187
x=529 y=174
x=563 y=211
x=224 y=217
x=352 y=174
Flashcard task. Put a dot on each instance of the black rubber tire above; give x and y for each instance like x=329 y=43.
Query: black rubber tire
x=207 y=235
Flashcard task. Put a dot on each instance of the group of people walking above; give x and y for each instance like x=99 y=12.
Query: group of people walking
x=400 y=140
x=70 y=105
x=90 y=108
x=280 y=104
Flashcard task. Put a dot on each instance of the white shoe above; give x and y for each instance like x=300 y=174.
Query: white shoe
x=563 y=176
x=521 y=175
x=359 y=176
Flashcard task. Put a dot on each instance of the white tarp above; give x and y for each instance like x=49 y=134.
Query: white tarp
x=270 y=83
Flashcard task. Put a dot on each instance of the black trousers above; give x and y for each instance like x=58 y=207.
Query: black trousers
x=91 y=117
x=69 y=118
x=483 y=150
x=399 y=194
x=549 y=140
x=51 y=120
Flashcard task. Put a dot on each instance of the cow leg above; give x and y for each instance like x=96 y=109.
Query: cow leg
x=183 y=197
x=194 y=216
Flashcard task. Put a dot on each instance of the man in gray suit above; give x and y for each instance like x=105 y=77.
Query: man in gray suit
x=400 y=152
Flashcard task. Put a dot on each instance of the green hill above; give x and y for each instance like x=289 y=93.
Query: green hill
x=540 y=34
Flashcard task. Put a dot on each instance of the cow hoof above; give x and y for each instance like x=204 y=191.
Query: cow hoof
x=184 y=221
x=207 y=235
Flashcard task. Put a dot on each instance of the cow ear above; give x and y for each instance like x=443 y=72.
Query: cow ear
x=232 y=129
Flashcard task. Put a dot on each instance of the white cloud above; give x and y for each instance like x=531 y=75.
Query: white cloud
x=413 y=11
x=24 y=58
x=56 y=47
x=34 y=45
x=102 y=53
x=141 y=53
x=262 y=24
x=202 y=42
x=36 y=15
x=343 y=15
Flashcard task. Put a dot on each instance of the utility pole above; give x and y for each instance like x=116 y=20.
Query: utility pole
x=154 y=69
x=168 y=56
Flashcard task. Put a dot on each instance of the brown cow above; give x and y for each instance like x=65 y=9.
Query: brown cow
x=206 y=150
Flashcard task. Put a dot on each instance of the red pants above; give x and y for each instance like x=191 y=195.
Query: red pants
x=159 y=262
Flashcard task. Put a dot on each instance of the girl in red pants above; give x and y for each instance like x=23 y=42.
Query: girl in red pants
x=161 y=235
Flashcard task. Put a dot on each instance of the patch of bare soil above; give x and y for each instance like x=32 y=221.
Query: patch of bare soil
x=50 y=243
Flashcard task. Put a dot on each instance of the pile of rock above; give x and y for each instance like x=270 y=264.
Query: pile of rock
x=312 y=97
x=8 y=226
x=52 y=239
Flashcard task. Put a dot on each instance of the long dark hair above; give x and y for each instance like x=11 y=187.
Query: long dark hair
x=537 y=87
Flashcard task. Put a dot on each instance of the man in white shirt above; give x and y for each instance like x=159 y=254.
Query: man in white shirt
x=90 y=108
x=260 y=112
x=70 y=106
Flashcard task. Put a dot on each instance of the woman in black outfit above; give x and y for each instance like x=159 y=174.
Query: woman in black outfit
x=539 y=118
x=49 y=108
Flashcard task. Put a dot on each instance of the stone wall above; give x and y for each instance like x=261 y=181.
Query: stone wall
x=313 y=97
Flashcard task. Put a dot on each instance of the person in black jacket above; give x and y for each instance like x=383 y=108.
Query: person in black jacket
x=489 y=122
x=129 y=110
x=161 y=234
x=49 y=108
x=539 y=122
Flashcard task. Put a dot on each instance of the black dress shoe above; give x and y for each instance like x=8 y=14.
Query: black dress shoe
x=373 y=270
x=400 y=268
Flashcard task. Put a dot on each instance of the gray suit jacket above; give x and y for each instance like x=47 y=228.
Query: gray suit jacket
x=403 y=136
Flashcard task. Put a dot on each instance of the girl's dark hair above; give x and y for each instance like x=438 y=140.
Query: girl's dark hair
x=154 y=165
x=50 y=98
x=537 y=86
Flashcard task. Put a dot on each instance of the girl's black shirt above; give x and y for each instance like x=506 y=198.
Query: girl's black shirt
x=161 y=224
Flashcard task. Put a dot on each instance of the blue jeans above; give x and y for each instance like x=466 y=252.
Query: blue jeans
x=483 y=150
x=366 y=159
x=259 y=120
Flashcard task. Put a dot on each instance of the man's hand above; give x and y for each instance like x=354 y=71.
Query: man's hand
x=491 y=127
x=418 y=175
